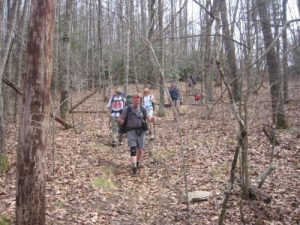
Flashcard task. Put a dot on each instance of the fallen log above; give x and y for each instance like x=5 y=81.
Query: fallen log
x=82 y=101
x=61 y=121
x=13 y=86
x=264 y=175
x=269 y=132
x=89 y=111
x=256 y=193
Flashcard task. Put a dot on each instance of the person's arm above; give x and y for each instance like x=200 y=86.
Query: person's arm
x=109 y=106
x=122 y=117
x=152 y=98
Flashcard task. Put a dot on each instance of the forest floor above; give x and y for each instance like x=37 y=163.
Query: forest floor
x=89 y=182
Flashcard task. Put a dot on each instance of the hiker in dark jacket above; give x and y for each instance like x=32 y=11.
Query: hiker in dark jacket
x=135 y=117
x=176 y=98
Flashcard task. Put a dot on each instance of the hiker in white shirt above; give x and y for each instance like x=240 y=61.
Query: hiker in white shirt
x=115 y=105
x=149 y=104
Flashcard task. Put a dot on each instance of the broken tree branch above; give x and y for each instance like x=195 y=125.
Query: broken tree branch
x=58 y=119
x=82 y=101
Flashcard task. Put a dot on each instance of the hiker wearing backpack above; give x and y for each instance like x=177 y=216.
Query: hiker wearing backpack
x=115 y=105
x=134 y=119
x=149 y=104
x=176 y=98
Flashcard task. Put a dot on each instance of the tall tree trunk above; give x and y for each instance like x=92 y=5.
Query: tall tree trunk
x=65 y=66
x=207 y=68
x=19 y=50
x=32 y=141
x=230 y=52
x=279 y=117
x=151 y=79
x=55 y=71
x=128 y=49
x=100 y=46
x=4 y=53
x=285 y=73
x=161 y=58
x=173 y=35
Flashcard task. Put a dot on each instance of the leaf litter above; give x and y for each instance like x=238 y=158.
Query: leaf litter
x=157 y=194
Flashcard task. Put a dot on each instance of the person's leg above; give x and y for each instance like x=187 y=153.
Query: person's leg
x=132 y=143
x=150 y=123
x=141 y=148
x=140 y=156
x=115 y=130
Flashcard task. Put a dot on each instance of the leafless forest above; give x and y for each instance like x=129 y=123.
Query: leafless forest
x=60 y=61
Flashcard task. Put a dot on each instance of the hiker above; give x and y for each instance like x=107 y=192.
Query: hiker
x=149 y=104
x=134 y=117
x=197 y=97
x=189 y=85
x=176 y=98
x=115 y=105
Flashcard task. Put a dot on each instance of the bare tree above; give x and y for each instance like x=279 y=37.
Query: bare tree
x=230 y=51
x=151 y=22
x=4 y=55
x=65 y=63
x=279 y=117
x=285 y=73
x=32 y=142
x=19 y=51
x=161 y=58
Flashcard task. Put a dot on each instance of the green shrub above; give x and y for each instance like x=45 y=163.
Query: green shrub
x=4 y=220
x=4 y=165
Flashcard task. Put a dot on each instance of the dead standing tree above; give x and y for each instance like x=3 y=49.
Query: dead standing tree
x=279 y=117
x=32 y=141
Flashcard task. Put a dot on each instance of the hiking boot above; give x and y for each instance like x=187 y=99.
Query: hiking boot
x=139 y=165
x=134 y=169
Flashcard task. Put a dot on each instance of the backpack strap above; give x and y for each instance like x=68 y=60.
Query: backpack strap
x=127 y=114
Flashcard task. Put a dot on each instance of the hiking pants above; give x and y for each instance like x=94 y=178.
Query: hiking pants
x=114 y=128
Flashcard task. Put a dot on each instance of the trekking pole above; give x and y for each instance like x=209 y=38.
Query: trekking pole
x=154 y=130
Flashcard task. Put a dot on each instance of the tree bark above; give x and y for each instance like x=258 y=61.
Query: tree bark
x=151 y=79
x=207 y=68
x=19 y=52
x=285 y=73
x=161 y=58
x=4 y=54
x=65 y=66
x=230 y=52
x=279 y=117
x=32 y=141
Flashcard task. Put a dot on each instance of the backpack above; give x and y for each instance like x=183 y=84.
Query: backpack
x=113 y=100
x=128 y=100
x=174 y=93
x=123 y=127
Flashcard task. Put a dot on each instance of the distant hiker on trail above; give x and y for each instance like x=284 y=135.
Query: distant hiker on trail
x=134 y=116
x=115 y=105
x=189 y=85
x=199 y=98
x=149 y=104
x=176 y=98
